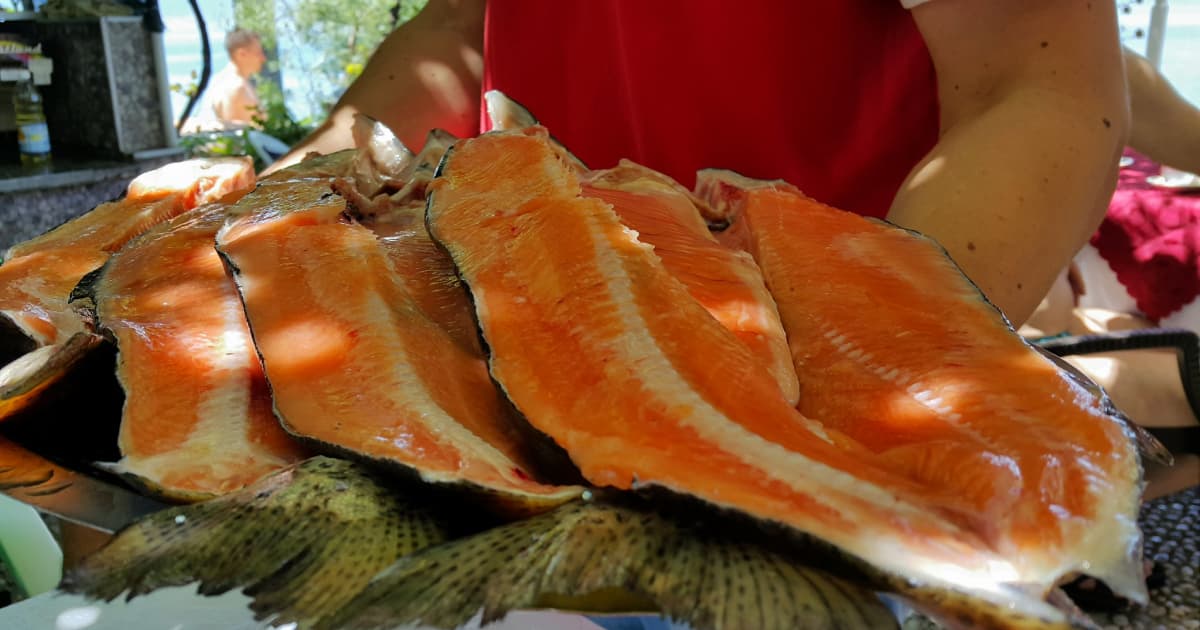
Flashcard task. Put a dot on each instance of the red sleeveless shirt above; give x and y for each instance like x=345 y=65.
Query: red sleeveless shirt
x=838 y=98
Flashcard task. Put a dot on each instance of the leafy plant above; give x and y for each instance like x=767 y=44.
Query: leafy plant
x=221 y=144
x=327 y=41
x=276 y=120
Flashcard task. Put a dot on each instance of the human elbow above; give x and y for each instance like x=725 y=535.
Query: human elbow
x=1122 y=117
x=1101 y=106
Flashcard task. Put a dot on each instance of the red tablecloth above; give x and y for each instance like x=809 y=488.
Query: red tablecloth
x=1151 y=239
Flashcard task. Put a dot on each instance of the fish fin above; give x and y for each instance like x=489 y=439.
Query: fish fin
x=353 y=527
x=613 y=558
x=506 y=114
x=381 y=160
x=420 y=171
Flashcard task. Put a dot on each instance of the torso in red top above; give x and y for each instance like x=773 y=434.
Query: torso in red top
x=836 y=97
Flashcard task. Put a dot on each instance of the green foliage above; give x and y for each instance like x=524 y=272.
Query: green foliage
x=221 y=144
x=328 y=41
x=276 y=120
x=408 y=10
x=187 y=89
x=257 y=16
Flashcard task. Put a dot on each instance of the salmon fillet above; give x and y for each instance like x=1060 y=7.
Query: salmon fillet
x=727 y=282
x=603 y=350
x=937 y=383
x=197 y=420
x=426 y=272
x=37 y=276
x=356 y=365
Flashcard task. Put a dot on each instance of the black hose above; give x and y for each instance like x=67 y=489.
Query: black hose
x=1185 y=342
x=205 y=69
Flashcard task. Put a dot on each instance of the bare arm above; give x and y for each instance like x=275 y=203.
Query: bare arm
x=1033 y=117
x=425 y=74
x=1166 y=127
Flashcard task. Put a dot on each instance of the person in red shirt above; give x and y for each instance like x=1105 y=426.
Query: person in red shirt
x=993 y=126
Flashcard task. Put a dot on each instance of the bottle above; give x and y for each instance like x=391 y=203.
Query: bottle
x=32 y=133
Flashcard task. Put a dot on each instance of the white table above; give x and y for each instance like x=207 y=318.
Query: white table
x=182 y=609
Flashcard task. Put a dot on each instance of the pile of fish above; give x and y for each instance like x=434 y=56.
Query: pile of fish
x=398 y=388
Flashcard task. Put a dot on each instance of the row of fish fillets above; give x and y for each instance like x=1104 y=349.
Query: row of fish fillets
x=805 y=367
x=929 y=440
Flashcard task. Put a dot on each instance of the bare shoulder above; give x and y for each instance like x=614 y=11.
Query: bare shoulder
x=453 y=14
x=985 y=41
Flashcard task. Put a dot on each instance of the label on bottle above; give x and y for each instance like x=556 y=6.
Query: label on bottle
x=34 y=138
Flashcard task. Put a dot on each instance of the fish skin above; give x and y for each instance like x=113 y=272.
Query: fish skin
x=506 y=114
x=670 y=218
x=38 y=277
x=199 y=180
x=180 y=186
x=268 y=586
x=1150 y=449
x=397 y=218
x=428 y=275
x=381 y=161
x=426 y=271
x=336 y=165
x=13 y=341
x=373 y=555
x=423 y=166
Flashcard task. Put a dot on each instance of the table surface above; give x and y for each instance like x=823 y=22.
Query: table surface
x=1171 y=527
x=74 y=171
x=181 y=608
x=1150 y=238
